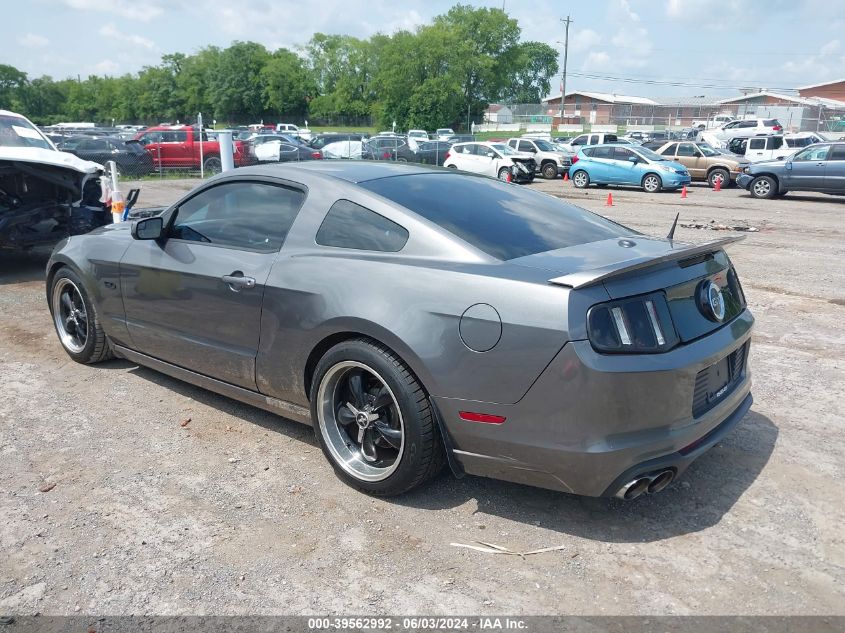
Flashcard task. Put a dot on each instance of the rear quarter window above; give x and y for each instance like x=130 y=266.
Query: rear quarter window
x=349 y=225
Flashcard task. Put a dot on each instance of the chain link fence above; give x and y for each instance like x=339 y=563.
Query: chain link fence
x=592 y=115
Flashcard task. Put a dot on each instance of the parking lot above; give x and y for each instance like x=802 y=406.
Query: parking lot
x=125 y=491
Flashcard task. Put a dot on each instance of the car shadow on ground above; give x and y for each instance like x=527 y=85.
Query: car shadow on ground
x=16 y=268
x=699 y=500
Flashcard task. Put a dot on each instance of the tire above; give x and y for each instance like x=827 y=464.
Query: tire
x=212 y=165
x=503 y=173
x=452 y=166
x=719 y=174
x=76 y=320
x=549 y=171
x=401 y=160
x=405 y=449
x=580 y=179
x=652 y=183
x=763 y=187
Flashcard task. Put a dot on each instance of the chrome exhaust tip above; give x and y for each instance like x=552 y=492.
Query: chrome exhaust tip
x=661 y=481
x=634 y=488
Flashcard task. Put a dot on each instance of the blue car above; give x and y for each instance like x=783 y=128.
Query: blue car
x=626 y=165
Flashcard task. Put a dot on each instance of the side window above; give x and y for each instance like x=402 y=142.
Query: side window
x=594 y=139
x=757 y=143
x=837 y=153
x=686 y=149
x=751 y=123
x=580 y=140
x=587 y=151
x=526 y=146
x=244 y=215
x=602 y=152
x=776 y=142
x=512 y=142
x=179 y=136
x=622 y=153
x=93 y=145
x=349 y=225
x=467 y=149
x=150 y=137
x=670 y=150
x=816 y=152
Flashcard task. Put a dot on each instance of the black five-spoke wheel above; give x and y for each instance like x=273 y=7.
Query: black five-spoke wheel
x=373 y=419
x=361 y=421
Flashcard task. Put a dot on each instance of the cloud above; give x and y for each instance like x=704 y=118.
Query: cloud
x=629 y=46
x=111 y=32
x=105 y=67
x=129 y=9
x=31 y=40
x=584 y=39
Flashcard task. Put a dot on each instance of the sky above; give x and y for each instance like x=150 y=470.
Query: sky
x=634 y=47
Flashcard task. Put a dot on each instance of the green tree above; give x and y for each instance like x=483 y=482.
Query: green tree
x=235 y=88
x=12 y=82
x=532 y=65
x=288 y=85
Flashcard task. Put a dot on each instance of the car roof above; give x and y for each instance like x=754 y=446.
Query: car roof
x=353 y=171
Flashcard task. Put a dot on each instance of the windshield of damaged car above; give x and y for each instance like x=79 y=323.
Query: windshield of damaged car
x=545 y=146
x=499 y=219
x=17 y=132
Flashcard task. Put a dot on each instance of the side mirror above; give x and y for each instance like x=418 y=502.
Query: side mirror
x=788 y=165
x=490 y=155
x=633 y=159
x=148 y=229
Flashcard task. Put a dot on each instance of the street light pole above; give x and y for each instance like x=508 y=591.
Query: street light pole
x=567 y=21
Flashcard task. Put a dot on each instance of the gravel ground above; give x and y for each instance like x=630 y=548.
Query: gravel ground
x=111 y=505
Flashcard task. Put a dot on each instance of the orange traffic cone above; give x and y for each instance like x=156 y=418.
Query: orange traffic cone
x=684 y=191
x=609 y=202
x=565 y=176
x=718 y=185
x=508 y=177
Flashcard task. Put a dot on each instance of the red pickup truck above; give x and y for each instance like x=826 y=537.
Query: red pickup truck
x=178 y=147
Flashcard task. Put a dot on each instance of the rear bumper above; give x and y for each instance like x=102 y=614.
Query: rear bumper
x=591 y=420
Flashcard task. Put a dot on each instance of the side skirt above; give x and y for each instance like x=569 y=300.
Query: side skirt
x=274 y=405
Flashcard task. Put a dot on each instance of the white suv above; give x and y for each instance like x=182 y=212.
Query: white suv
x=551 y=162
x=748 y=127
x=491 y=159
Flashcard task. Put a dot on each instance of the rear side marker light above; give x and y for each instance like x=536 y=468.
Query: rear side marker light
x=483 y=418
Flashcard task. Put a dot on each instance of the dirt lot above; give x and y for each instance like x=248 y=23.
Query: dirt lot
x=238 y=512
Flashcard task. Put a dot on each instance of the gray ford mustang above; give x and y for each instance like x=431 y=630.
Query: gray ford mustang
x=418 y=316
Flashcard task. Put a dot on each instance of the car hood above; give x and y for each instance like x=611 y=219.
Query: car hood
x=51 y=157
x=772 y=162
x=594 y=262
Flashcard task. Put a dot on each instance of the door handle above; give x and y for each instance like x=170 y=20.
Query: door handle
x=237 y=281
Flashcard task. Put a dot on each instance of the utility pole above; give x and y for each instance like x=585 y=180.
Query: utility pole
x=567 y=21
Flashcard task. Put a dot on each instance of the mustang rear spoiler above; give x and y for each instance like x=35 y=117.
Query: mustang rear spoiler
x=585 y=278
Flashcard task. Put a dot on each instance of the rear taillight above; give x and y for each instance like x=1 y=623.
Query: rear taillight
x=634 y=325
x=448 y=154
x=316 y=155
x=777 y=128
x=574 y=159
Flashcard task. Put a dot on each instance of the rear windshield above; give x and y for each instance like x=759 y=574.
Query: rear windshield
x=505 y=221
x=770 y=122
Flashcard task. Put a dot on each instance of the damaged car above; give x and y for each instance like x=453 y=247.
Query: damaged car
x=45 y=195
